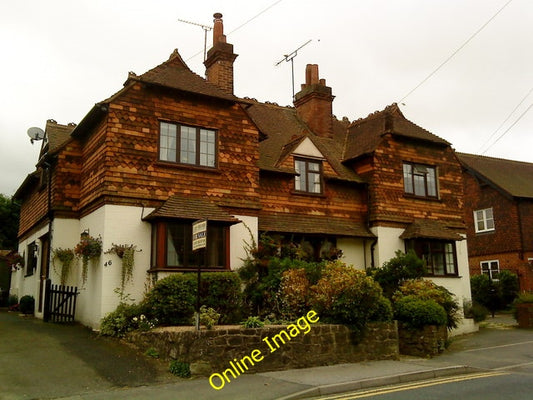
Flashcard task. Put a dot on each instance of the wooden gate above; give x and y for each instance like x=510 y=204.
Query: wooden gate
x=59 y=302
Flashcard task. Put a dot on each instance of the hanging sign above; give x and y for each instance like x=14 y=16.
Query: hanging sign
x=199 y=234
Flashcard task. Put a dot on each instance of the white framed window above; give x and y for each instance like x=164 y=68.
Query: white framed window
x=309 y=176
x=484 y=220
x=490 y=268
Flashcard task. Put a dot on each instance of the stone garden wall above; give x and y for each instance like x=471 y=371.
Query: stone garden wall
x=428 y=341
x=269 y=348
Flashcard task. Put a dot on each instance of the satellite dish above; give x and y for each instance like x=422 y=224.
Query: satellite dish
x=35 y=134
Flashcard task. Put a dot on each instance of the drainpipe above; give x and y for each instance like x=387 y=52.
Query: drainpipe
x=48 y=168
x=372 y=247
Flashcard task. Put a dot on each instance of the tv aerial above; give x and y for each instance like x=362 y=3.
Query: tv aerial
x=35 y=134
x=290 y=57
x=206 y=29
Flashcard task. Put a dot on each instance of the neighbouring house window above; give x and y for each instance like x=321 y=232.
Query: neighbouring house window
x=484 y=220
x=309 y=178
x=187 y=144
x=490 y=268
x=172 y=246
x=420 y=180
x=440 y=256
x=31 y=262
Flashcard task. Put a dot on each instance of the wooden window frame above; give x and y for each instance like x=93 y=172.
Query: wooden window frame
x=198 y=144
x=484 y=219
x=409 y=186
x=159 y=256
x=307 y=173
x=419 y=244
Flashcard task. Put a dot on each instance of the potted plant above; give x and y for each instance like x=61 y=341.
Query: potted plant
x=65 y=257
x=89 y=248
x=126 y=253
x=15 y=261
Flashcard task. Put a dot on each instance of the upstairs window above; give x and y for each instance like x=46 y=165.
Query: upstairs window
x=484 y=220
x=187 y=145
x=420 y=180
x=309 y=178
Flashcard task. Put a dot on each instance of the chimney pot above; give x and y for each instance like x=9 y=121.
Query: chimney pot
x=218 y=29
x=311 y=74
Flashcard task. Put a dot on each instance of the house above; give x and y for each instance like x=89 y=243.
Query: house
x=499 y=216
x=172 y=147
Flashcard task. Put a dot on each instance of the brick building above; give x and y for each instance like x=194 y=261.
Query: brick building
x=499 y=216
x=172 y=147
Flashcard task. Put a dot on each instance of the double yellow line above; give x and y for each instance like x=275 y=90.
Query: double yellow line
x=414 y=385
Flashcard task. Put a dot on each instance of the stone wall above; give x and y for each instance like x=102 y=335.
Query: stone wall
x=210 y=351
x=428 y=341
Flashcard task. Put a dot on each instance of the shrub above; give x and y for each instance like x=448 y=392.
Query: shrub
x=509 y=287
x=253 y=322
x=416 y=313
x=524 y=298
x=398 y=269
x=179 y=368
x=428 y=290
x=294 y=293
x=125 y=318
x=27 y=304
x=208 y=317
x=222 y=292
x=172 y=299
x=382 y=311
x=346 y=296
x=476 y=311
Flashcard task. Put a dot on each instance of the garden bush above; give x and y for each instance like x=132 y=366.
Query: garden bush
x=125 y=318
x=294 y=293
x=428 y=290
x=397 y=270
x=416 y=313
x=495 y=294
x=172 y=299
x=346 y=296
x=27 y=305
x=221 y=291
x=475 y=311
x=509 y=288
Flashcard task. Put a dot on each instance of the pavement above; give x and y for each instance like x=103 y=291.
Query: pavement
x=498 y=345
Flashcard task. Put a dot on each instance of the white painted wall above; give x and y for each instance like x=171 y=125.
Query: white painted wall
x=242 y=235
x=388 y=243
x=353 y=251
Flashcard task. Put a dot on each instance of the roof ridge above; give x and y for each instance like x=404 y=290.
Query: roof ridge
x=492 y=158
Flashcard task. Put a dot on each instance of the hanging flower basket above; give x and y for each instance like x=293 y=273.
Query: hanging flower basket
x=65 y=257
x=15 y=261
x=126 y=252
x=87 y=249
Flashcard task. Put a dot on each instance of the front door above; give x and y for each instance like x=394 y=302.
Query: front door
x=45 y=260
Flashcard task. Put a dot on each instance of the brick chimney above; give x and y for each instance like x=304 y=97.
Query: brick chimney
x=220 y=58
x=314 y=103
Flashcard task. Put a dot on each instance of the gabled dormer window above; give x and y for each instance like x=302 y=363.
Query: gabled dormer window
x=420 y=180
x=309 y=178
x=187 y=144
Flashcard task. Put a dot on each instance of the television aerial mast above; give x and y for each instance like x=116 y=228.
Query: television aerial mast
x=206 y=28
x=290 y=57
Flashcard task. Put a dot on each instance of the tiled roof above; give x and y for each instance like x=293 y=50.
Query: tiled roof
x=429 y=229
x=284 y=131
x=183 y=207
x=513 y=177
x=364 y=135
x=57 y=135
x=175 y=74
x=312 y=224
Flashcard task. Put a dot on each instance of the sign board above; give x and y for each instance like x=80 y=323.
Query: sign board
x=199 y=235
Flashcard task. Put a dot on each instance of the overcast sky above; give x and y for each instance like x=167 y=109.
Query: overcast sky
x=59 y=58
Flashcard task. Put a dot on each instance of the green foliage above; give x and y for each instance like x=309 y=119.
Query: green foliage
x=294 y=293
x=222 y=292
x=475 y=311
x=253 y=322
x=346 y=296
x=88 y=248
x=125 y=318
x=151 y=352
x=179 y=368
x=398 y=269
x=172 y=299
x=495 y=294
x=126 y=253
x=9 y=215
x=480 y=286
x=416 y=313
x=428 y=290
x=382 y=311
x=208 y=317
x=27 y=304
x=65 y=257
x=509 y=287
x=523 y=298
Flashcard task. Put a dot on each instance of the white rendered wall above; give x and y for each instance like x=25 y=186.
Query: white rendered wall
x=353 y=251
x=242 y=235
x=388 y=244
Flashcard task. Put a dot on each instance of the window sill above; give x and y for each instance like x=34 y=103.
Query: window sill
x=189 y=167
x=443 y=276
x=187 y=269
x=425 y=198
x=302 y=193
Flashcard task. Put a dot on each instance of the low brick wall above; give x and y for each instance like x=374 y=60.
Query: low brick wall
x=428 y=341
x=524 y=315
x=210 y=351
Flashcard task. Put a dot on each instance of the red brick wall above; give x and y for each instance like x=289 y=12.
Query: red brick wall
x=508 y=261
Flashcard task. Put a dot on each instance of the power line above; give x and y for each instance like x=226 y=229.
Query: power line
x=456 y=51
x=243 y=24
x=508 y=129
x=505 y=121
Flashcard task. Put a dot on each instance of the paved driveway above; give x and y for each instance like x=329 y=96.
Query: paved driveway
x=44 y=360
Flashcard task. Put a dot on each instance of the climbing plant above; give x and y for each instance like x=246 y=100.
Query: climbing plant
x=88 y=248
x=65 y=257
x=126 y=253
